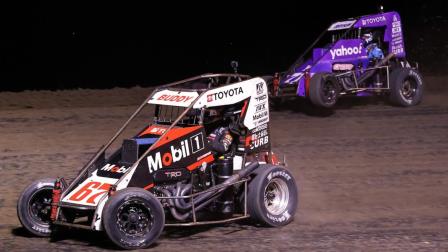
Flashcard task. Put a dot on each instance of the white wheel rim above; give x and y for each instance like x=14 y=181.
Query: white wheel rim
x=276 y=196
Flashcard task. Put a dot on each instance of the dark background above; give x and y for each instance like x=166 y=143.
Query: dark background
x=85 y=45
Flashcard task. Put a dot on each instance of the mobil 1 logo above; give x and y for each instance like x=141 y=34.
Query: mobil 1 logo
x=197 y=142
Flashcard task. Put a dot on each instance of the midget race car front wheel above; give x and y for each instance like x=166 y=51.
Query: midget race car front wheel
x=133 y=218
x=272 y=196
x=34 y=207
x=323 y=90
x=406 y=87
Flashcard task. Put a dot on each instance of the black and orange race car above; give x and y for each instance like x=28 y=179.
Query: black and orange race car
x=169 y=174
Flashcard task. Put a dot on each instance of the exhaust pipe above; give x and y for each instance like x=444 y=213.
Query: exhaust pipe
x=206 y=198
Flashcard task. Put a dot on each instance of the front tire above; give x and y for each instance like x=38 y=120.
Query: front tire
x=133 y=218
x=324 y=90
x=34 y=207
x=272 y=196
x=406 y=87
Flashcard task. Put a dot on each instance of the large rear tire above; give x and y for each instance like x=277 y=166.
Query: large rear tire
x=133 y=218
x=324 y=90
x=34 y=207
x=406 y=87
x=272 y=196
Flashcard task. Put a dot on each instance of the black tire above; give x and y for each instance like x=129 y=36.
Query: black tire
x=406 y=87
x=34 y=207
x=324 y=90
x=263 y=210
x=133 y=218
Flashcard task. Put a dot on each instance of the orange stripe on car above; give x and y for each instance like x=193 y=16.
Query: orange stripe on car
x=176 y=133
x=195 y=165
x=149 y=186
x=244 y=108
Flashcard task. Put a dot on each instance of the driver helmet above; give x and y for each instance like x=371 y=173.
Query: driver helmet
x=212 y=115
x=367 y=38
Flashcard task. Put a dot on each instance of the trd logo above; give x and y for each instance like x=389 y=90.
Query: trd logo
x=173 y=174
x=259 y=88
x=261 y=98
x=158 y=160
x=114 y=168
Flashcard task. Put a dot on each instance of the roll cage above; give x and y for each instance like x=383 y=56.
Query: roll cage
x=199 y=84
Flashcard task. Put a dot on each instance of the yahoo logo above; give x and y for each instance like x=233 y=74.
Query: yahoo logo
x=346 y=51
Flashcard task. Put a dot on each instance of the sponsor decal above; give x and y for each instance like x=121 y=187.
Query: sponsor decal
x=284 y=217
x=260 y=115
x=373 y=20
x=173 y=174
x=346 y=51
x=396 y=29
x=40 y=229
x=342 y=67
x=397 y=39
x=175 y=98
x=258 y=137
x=153 y=130
x=341 y=25
x=259 y=87
x=157 y=130
x=278 y=174
x=263 y=120
x=197 y=142
x=175 y=153
x=261 y=127
x=114 y=168
x=225 y=94
x=261 y=98
x=89 y=193
x=417 y=76
x=260 y=107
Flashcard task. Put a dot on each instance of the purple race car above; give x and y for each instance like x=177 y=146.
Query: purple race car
x=359 y=56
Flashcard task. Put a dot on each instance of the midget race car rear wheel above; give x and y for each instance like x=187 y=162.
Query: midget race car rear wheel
x=272 y=196
x=34 y=207
x=324 y=90
x=406 y=87
x=133 y=218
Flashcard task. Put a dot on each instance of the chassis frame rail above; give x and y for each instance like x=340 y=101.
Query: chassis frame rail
x=216 y=189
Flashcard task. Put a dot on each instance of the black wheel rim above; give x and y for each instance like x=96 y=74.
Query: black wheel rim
x=409 y=88
x=329 y=92
x=40 y=206
x=134 y=218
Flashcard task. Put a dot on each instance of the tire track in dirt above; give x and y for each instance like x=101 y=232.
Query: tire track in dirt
x=371 y=177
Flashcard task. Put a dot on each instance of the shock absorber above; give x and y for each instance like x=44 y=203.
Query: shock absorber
x=56 y=197
x=224 y=170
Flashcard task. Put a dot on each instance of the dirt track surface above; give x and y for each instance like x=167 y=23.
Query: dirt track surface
x=372 y=177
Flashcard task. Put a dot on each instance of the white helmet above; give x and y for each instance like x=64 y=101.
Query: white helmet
x=367 y=37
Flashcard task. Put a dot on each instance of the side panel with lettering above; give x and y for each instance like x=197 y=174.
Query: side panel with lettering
x=179 y=153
